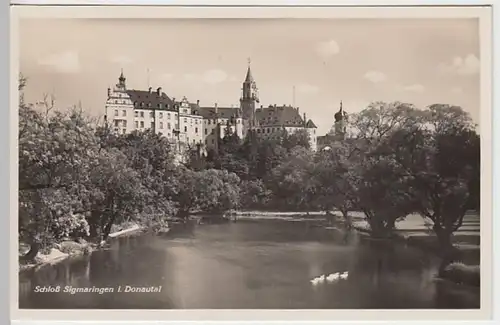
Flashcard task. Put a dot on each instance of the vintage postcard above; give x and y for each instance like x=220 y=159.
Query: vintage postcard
x=242 y=163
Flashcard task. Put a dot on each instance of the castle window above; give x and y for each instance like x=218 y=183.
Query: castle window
x=258 y=130
x=168 y=116
x=185 y=129
x=117 y=123
x=268 y=130
x=195 y=130
x=116 y=102
x=142 y=114
x=116 y=112
x=161 y=125
x=136 y=124
x=168 y=125
x=161 y=114
x=124 y=123
x=116 y=130
x=213 y=131
x=185 y=120
x=142 y=124
x=209 y=121
x=159 y=105
x=124 y=113
x=142 y=104
x=206 y=131
x=136 y=113
x=124 y=131
x=167 y=106
x=151 y=115
x=176 y=126
x=149 y=104
x=135 y=104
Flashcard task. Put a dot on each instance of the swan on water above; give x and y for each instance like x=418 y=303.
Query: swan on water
x=315 y=281
x=332 y=277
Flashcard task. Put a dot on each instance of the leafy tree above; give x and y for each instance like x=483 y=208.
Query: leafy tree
x=337 y=179
x=292 y=180
x=254 y=194
x=210 y=191
x=299 y=138
x=443 y=164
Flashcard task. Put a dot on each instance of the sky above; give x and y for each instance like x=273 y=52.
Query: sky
x=356 y=61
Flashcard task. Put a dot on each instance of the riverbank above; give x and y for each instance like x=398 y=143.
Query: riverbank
x=68 y=248
x=415 y=232
x=412 y=230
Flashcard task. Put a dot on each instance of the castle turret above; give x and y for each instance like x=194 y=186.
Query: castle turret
x=340 y=122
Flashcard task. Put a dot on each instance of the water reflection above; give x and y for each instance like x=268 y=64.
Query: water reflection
x=265 y=264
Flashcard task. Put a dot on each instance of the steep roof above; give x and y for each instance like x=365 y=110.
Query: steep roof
x=150 y=99
x=249 y=77
x=310 y=125
x=223 y=112
x=279 y=116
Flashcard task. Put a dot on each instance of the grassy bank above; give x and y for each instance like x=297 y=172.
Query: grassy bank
x=68 y=248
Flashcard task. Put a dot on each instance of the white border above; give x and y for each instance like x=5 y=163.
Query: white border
x=269 y=12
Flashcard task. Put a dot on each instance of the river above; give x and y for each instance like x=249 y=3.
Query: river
x=256 y=265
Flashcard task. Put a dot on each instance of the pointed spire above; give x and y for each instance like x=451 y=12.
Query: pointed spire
x=249 y=77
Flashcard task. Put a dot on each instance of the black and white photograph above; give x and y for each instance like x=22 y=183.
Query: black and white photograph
x=209 y=163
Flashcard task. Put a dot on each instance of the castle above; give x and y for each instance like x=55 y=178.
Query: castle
x=188 y=124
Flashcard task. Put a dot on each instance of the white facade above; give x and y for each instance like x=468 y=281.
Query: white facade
x=188 y=125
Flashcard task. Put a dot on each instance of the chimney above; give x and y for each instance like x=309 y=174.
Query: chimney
x=109 y=92
x=298 y=111
x=305 y=118
x=158 y=91
x=150 y=90
x=198 y=102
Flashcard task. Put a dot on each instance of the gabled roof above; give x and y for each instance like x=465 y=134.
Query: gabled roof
x=223 y=112
x=150 y=99
x=287 y=116
x=310 y=125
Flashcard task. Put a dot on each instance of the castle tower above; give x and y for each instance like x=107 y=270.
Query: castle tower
x=248 y=100
x=340 y=123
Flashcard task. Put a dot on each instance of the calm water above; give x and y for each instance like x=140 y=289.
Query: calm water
x=265 y=264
